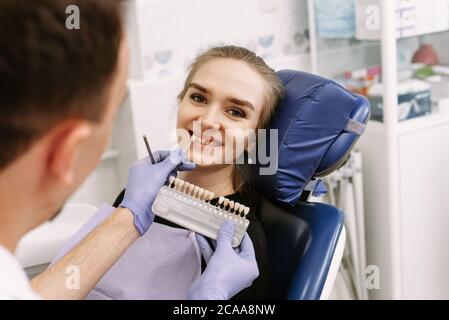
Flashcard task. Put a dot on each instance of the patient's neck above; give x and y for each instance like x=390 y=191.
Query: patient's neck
x=217 y=179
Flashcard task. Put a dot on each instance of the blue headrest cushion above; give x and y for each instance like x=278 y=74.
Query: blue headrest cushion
x=318 y=122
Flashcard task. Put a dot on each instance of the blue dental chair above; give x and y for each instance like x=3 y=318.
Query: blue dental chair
x=318 y=122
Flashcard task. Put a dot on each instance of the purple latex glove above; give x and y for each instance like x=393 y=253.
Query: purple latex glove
x=228 y=270
x=145 y=180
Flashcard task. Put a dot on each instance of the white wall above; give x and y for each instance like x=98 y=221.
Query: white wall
x=172 y=32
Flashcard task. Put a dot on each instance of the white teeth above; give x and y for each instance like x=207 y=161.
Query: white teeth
x=202 y=140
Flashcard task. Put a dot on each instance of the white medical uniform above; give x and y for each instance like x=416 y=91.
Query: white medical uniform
x=14 y=282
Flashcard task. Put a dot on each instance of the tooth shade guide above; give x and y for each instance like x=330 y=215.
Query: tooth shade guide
x=220 y=201
x=171 y=181
x=211 y=214
x=200 y=193
x=195 y=191
x=242 y=207
x=225 y=203
x=231 y=205
x=176 y=183
x=191 y=187
x=206 y=195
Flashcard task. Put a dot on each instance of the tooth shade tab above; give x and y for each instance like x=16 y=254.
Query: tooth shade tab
x=176 y=183
x=195 y=191
x=171 y=181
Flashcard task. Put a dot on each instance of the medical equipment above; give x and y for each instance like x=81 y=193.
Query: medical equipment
x=150 y=154
x=189 y=206
x=145 y=181
x=305 y=240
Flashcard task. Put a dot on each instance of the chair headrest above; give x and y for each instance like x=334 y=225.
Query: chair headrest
x=318 y=123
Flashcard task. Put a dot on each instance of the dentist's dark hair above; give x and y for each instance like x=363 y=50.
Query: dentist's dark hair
x=49 y=72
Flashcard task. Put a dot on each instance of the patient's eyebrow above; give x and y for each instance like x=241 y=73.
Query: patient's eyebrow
x=199 y=87
x=239 y=102
x=242 y=103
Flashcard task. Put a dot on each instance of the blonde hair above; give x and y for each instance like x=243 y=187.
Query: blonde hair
x=274 y=92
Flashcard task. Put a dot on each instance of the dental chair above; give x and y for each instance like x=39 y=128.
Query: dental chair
x=318 y=123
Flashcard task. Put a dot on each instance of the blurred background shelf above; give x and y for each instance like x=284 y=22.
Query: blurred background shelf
x=404 y=162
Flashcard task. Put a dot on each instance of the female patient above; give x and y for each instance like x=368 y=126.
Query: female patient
x=228 y=90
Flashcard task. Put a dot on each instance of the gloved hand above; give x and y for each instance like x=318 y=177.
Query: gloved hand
x=145 y=180
x=228 y=270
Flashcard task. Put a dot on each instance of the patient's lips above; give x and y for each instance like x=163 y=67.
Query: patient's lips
x=205 y=140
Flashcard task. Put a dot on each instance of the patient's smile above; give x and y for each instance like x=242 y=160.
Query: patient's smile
x=204 y=140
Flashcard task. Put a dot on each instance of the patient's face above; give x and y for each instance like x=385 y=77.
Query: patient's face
x=223 y=103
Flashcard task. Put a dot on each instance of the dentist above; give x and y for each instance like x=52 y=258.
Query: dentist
x=60 y=91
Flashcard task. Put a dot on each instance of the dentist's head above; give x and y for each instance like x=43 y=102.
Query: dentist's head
x=59 y=92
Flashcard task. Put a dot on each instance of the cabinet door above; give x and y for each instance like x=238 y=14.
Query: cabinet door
x=424 y=184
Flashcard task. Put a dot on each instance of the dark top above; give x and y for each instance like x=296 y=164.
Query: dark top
x=262 y=286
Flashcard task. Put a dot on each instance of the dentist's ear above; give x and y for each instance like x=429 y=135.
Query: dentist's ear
x=65 y=147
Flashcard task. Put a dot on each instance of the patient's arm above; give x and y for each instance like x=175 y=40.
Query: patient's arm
x=93 y=257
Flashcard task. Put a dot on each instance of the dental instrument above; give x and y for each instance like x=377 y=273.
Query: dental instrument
x=195 y=212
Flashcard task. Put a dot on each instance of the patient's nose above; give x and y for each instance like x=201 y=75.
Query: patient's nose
x=210 y=120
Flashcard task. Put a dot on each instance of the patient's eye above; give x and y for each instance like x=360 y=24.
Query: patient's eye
x=198 y=98
x=235 y=112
